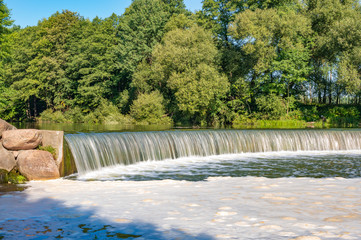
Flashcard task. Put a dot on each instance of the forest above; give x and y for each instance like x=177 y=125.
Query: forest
x=232 y=63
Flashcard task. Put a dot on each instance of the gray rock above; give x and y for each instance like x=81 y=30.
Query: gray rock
x=37 y=165
x=7 y=159
x=4 y=126
x=22 y=139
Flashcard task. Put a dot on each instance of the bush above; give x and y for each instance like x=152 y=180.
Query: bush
x=51 y=116
x=343 y=116
x=310 y=114
x=74 y=115
x=108 y=113
x=14 y=177
x=271 y=107
x=149 y=109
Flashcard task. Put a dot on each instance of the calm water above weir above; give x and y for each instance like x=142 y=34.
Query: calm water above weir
x=196 y=155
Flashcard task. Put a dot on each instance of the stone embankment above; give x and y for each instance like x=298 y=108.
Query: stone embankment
x=20 y=153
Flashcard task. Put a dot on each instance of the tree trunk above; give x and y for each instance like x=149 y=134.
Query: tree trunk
x=28 y=114
x=35 y=109
x=253 y=98
x=324 y=94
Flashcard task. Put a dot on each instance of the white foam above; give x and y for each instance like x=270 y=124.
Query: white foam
x=172 y=209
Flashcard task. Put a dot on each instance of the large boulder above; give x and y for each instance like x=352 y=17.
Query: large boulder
x=22 y=139
x=4 y=126
x=7 y=159
x=37 y=165
x=54 y=139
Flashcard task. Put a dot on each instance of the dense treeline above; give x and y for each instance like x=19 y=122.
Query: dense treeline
x=234 y=61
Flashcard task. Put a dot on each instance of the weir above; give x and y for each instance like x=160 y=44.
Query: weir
x=93 y=151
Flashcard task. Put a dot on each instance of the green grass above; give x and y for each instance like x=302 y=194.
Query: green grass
x=253 y=123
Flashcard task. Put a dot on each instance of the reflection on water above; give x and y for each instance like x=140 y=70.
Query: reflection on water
x=86 y=127
x=7 y=188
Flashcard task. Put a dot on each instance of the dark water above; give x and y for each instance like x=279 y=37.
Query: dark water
x=345 y=164
x=9 y=188
x=85 y=127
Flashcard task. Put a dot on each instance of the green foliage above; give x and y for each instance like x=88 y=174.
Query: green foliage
x=310 y=114
x=49 y=149
x=333 y=116
x=14 y=177
x=276 y=45
x=245 y=122
x=53 y=116
x=149 y=109
x=271 y=107
x=106 y=113
x=184 y=70
x=92 y=63
x=5 y=22
x=343 y=117
x=232 y=61
x=141 y=27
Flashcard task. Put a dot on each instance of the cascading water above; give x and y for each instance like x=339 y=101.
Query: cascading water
x=94 y=151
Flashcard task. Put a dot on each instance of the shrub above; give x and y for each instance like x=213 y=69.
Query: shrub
x=74 y=115
x=342 y=116
x=310 y=114
x=50 y=115
x=148 y=109
x=271 y=107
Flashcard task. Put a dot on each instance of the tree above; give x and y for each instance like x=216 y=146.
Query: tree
x=149 y=108
x=184 y=69
x=141 y=27
x=5 y=22
x=277 y=46
x=93 y=63
x=337 y=29
x=39 y=73
x=7 y=108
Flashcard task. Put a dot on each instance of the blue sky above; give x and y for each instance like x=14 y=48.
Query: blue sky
x=29 y=12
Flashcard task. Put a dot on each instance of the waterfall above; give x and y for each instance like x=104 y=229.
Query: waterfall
x=93 y=151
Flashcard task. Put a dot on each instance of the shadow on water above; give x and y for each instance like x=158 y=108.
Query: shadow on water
x=22 y=218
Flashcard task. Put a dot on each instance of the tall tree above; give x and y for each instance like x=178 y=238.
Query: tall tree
x=184 y=69
x=42 y=72
x=276 y=42
x=337 y=28
x=7 y=109
x=93 y=63
x=141 y=27
x=5 y=23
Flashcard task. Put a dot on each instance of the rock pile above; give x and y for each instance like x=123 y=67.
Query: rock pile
x=18 y=152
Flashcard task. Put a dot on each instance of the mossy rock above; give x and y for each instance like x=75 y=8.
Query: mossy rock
x=48 y=149
x=3 y=176
x=14 y=177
